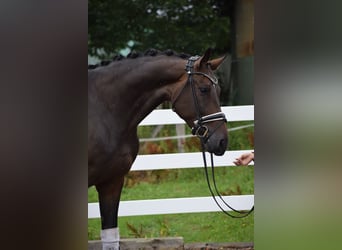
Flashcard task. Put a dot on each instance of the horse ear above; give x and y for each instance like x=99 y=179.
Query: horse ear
x=206 y=57
x=215 y=63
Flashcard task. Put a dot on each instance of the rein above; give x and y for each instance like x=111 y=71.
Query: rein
x=202 y=131
x=242 y=214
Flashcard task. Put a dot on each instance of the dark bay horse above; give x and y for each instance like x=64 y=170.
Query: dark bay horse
x=122 y=93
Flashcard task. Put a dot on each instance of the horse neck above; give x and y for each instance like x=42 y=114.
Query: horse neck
x=144 y=84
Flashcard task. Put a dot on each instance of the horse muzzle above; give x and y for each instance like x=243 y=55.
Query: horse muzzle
x=217 y=146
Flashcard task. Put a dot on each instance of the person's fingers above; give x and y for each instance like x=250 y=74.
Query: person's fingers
x=237 y=162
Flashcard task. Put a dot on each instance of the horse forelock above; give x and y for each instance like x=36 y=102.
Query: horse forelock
x=148 y=53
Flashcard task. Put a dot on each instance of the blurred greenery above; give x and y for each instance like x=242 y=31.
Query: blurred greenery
x=189 y=26
x=183 y=25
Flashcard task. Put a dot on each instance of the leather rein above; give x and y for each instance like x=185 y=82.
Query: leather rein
x=199 y=129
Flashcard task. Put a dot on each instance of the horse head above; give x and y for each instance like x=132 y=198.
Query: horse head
x=196 y=100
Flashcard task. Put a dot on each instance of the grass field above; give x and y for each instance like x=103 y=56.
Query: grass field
x=196 y=227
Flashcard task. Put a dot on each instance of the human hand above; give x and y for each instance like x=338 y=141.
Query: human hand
x=244 y=159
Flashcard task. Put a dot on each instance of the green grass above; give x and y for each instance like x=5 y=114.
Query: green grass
x=195 y=227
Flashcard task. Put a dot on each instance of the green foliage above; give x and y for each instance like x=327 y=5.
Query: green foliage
x=135 y=232
x=241 y=139
x=183 y=25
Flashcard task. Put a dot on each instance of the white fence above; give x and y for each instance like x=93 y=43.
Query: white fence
x=182 y=160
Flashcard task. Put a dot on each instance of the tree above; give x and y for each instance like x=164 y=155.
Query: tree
x=189 y=26
x=183 y=25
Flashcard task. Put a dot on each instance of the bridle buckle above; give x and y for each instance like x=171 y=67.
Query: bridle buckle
x=200 y=131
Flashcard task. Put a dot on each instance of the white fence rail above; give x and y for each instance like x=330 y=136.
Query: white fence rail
x=182 y=160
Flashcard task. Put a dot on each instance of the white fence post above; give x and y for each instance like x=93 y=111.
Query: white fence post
x=180 y=131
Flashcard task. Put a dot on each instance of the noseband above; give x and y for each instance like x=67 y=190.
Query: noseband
x=199 y=128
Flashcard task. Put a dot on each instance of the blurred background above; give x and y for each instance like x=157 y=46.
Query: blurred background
x=121 y=27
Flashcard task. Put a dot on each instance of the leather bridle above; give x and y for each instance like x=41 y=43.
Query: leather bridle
x=200 y=129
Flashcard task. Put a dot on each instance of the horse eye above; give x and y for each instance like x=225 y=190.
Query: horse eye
x=204 y=90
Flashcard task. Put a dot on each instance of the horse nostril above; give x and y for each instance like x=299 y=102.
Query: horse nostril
x=223 y=143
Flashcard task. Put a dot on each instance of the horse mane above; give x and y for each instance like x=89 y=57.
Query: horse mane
x=134 y=54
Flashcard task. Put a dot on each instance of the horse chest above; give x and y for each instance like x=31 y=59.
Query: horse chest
x=110 y=159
